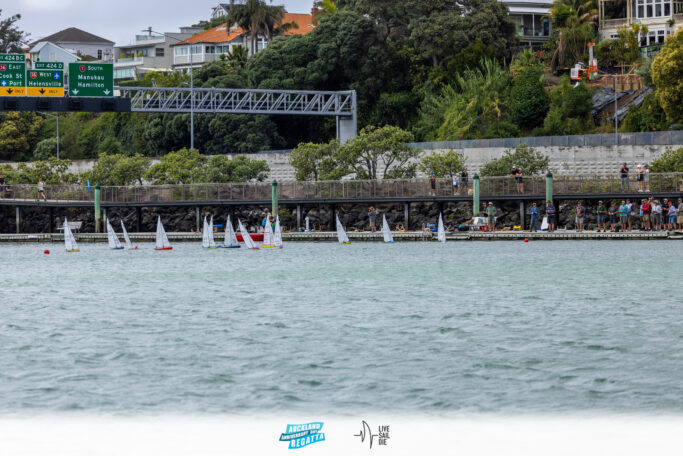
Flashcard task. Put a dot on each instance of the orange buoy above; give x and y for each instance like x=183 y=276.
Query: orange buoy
x=46 y=252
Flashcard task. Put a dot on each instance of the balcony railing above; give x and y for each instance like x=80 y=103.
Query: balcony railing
x=344 y=190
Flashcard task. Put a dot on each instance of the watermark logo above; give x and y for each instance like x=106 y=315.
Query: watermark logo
x=380 y=437
x=301 y=435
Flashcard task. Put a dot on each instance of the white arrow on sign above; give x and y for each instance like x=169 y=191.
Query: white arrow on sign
x=106 y=92
x=75 y=91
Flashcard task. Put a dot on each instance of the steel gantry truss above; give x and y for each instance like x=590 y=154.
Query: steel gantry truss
x=341 y=105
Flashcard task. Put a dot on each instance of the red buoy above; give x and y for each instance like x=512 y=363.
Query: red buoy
x=526 y=240
x=46 y=252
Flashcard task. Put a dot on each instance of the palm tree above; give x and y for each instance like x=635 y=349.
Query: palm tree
x=254 y=16
x=237 y=57
x=574 y=24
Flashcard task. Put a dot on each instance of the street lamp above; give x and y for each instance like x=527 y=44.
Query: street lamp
x=56 y=117
x=150 y=31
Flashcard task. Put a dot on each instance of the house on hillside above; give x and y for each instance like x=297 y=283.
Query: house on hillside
x=208 y=45
x=223 y=9
x=661 y=17
x=82 y=43
x=151 y=52
x=533 y=27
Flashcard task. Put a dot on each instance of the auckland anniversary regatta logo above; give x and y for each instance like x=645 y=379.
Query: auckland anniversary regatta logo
x=301 y=435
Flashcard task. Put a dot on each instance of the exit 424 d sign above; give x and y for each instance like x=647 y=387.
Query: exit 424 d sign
x=91 y=79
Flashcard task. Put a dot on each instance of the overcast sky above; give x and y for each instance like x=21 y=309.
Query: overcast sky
x=117 y=20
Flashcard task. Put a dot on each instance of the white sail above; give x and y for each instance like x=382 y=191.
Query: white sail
x=230 y=236
x=341 y=234
x=248 y=241
x=212 y=242
x=205 y=234
x=268 y=234
x=114 y=242
x=69 y=240
x=441 y=236
x=386 y=231
x=277 y=234
x=129 y=245
x=161 y=239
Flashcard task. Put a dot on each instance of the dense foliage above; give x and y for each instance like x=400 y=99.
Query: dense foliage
x=523 y=157
x=671 y=161
x=667 y=75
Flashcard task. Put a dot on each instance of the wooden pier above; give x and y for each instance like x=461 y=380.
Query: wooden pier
x=331 y=236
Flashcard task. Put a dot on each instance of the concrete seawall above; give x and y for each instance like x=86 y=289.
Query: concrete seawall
x=565 y=159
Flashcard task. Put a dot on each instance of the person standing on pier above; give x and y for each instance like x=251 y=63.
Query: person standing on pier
x=623 y=172
x=372 y=215
x=491 y=212
x=550 y=214
x=602 y=216
x=464 y=179
x=534 y=212
x=672 y=213
x=623 y=215
x=612 y=212
x=645 y=208
x=580 y=214
x=432 y=184
x=631 y=214
x=456 y=184
x=646 y=177
x=680 y=213
x=41 y=190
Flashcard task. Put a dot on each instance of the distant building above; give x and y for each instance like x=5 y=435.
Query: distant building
x=50 y=52
x=223 y=9
x=149 y=53
x=662 y=18
x=82 y=43
x=208 y=45
x=533 y=27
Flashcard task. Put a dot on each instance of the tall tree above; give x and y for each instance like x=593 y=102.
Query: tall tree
x=256 y=17
x=11 y=38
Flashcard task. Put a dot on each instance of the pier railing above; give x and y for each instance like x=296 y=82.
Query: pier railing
x=345 y=190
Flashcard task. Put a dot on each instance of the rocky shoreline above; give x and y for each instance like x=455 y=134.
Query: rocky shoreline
x=353 y=216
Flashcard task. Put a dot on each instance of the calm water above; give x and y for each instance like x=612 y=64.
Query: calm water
x=413 y=327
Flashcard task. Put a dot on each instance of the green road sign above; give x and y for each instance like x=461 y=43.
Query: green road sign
x=45 y=83
x=91 y=79
x=48 y=65
x=12 y=76
x=13 y=58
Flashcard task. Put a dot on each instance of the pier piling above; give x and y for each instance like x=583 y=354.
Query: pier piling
x=475 y=195
x=18 y=219
x=97 y=208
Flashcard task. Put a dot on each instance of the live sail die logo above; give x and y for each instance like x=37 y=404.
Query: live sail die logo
x=301 y=435
x=366 y=434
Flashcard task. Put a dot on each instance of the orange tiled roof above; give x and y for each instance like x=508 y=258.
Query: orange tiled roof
x=221 y=34
x=304 y=21
x=218 y=34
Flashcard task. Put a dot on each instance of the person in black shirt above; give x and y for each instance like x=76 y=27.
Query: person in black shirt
x=464 y=178
x=624 y=177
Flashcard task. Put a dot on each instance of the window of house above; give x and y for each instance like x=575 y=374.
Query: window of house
x=210 y=49
x=196 y=49
x=159 y=52
x=667 y=9
x=99 y=54
x=181 y=50
x=660 y=36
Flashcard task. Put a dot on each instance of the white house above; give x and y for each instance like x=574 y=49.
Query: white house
x=662 y=18
x=50 y=52
x=533 y=27
x=84 y=44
